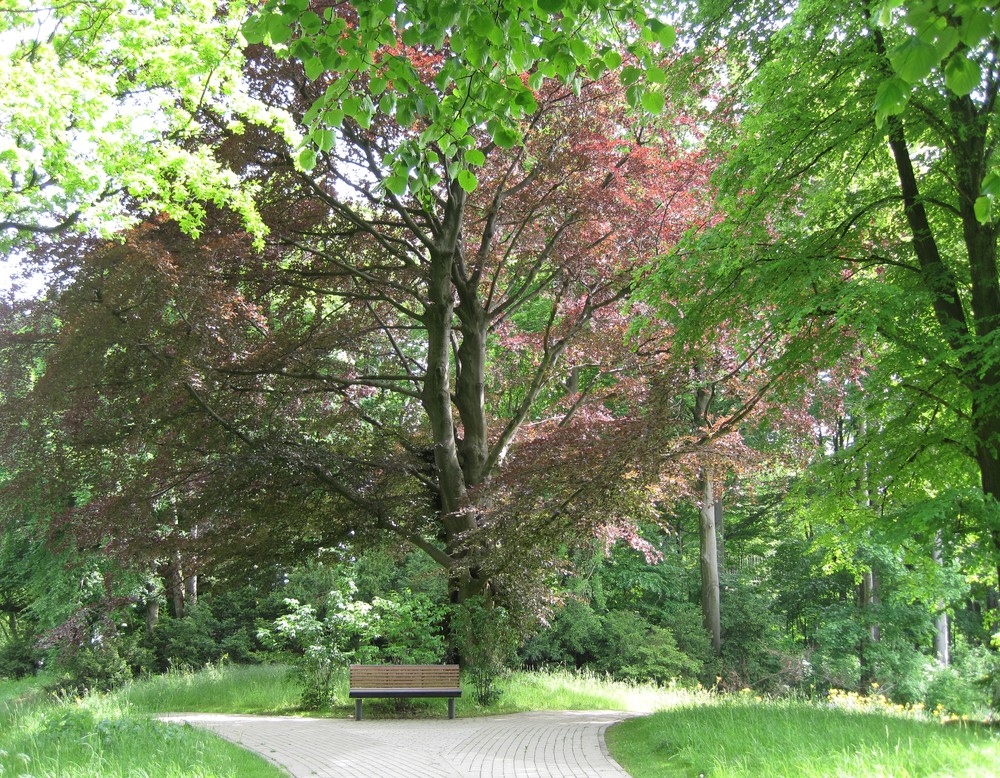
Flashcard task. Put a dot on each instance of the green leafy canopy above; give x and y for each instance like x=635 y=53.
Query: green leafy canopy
x=100 y=101
x=450 y=67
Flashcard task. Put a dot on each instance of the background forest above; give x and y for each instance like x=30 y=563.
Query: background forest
x=659 y=341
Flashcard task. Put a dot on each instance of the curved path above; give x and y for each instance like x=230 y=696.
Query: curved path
x=560 y=744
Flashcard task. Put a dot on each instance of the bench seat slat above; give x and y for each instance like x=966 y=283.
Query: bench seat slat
x=365 y=693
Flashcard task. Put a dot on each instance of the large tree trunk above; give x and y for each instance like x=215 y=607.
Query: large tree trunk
x=152 y=615
x=152 y=607
x=709 y=561
x=457 y=516
x=868 y=599
x=12 y=624
x=720 y=531
x=711 y=607
x=942 y=650
x=174 y=585
x=190 y=590
x=869 y=583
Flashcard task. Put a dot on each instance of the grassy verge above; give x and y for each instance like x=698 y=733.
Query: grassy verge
x=738 y=738
x=564 y=690
x=694 y=733
x=104 y=737
x=262 y=689
x=272 y=690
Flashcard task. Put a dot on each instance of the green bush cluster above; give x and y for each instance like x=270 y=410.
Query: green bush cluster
x=790 y=626
x=621 y=644
x=487 y=636
x=400 y=628
x=18 y=658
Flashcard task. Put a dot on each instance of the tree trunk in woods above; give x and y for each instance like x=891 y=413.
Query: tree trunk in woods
x=152 y=615
x=868 y=599
x=174 y=580
x=190 y=590
x=152 y=607
x=711 y=609
x=942 y=649
x=709 y=561
x=460 y=460
x=966 y=327
x=12 y=624
x=720 y=532
x=868 y=595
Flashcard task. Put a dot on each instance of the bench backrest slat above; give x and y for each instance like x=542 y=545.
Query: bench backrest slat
x=404 y=676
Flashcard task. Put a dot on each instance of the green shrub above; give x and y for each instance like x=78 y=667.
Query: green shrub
x=947 y=689
x=572 y=638
x=752 y=641
x=685 y=623
x=18 y=659
x=632 y=649
x=624 y=644
x=487 y=637
x=400 y=628
x=97 y=667
x=188 y=642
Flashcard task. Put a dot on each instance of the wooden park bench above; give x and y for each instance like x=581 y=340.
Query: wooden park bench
x=404 y=681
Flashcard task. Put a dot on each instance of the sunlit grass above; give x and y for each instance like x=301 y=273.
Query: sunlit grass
x=272 y=689
x=262 y=689
x=528 y=691
x=693 y=732
x=568 y=690
x=735 y=737
x=102 y=736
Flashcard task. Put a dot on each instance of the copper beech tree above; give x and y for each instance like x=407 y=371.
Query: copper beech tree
x=450 y=369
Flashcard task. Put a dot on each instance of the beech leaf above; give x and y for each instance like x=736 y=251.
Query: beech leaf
x=653 y=102
x=505 y=137
x=891 y=99
x=962 y=75
x=307 y=159
x=914 y=59
x=467 y=180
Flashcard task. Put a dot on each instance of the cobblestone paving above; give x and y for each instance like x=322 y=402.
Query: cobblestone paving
x=543 y=744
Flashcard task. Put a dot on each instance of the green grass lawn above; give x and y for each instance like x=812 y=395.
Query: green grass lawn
x=694 y=733
x=739 y=738
x=260 y=689
x=103 y=736
x=117 y=735
x=273 y=690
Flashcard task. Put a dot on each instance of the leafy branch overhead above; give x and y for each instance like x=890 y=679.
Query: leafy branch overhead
x=950 y=46
x=100 y=104
x=489 y=61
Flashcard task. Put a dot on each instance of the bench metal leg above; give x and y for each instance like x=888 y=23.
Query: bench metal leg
x=451 y=707
x=357 y=709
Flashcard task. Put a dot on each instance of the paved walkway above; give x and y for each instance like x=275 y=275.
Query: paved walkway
x=543 y=744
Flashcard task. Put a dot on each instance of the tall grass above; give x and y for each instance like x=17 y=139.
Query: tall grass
x=102 y=736
x=745 y=738
x=274 y=690
x=264 y=689
x=570 y=690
